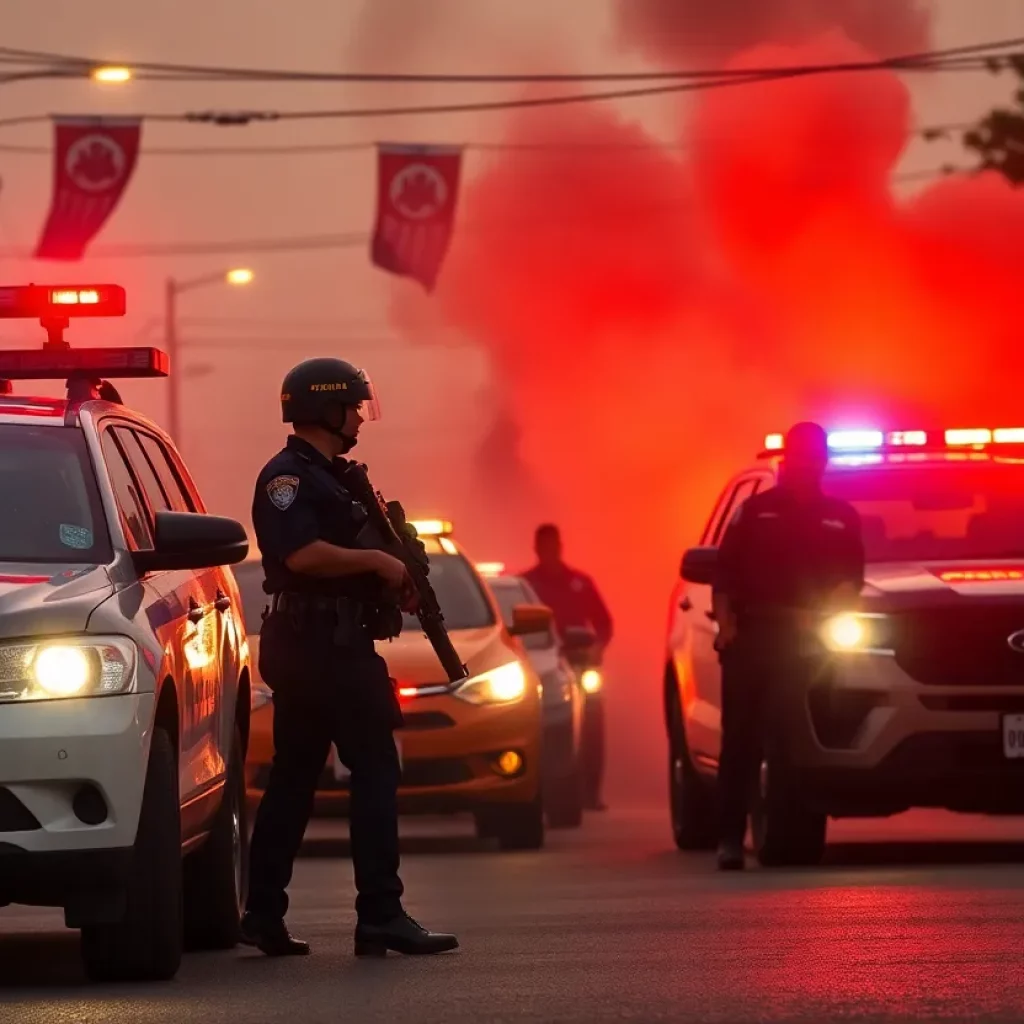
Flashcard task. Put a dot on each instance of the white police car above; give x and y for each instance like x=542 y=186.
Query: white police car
x=124 y=675
x=921 y=701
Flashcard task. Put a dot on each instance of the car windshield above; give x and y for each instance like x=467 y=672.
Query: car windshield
x=945 y=510
x=249 y=576
x=509 y=592
x=459 y=593
x=51 y=509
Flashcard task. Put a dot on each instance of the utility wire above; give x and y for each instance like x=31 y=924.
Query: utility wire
x=930 y=133
x=85 y=65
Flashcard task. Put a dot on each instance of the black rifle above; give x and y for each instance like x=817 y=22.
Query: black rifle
x=390 y=532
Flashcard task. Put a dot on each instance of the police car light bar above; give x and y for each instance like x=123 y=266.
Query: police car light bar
x=490 y=568
x=432 y=527
x=853 y=441
x=58 y=363
x=47 y=302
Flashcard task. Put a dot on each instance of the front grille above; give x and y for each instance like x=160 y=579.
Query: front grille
x=14 y=815
x=964 y=645
x=447 y=771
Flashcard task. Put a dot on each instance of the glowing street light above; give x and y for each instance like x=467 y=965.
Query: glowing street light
x=239 y=276
x=111 y=74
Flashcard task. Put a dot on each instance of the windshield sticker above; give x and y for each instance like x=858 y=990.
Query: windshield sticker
x=77 y=537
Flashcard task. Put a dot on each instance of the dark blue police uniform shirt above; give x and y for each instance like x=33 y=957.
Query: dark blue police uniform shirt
x=786 y=552
x=298 y=500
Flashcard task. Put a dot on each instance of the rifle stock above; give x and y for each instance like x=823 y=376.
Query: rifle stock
x=389 y=526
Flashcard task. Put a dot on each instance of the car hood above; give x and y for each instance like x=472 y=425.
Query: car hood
x=412 y=661
x=49 y=599
x=903 y=582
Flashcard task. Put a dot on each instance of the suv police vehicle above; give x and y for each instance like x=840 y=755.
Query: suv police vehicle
x=917 y=699
x=124 y=672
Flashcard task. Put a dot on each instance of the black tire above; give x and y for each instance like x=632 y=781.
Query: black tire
x=563 y=800
x=691 y=799
x=519 y=826
x=146 y=945
x=786 y=833
x=217 y=874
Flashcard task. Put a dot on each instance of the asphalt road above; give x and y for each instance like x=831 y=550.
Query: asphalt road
x=608 y=923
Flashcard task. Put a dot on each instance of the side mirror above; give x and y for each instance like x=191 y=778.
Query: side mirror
x=192 y=540
x=699 y=565
x=528 y=619
x=576 y=638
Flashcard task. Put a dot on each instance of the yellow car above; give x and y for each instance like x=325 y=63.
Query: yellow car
x=473 y=747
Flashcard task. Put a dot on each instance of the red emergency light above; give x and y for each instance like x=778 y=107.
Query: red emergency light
x=60 y=301
x=58 y=363
x=995 y=575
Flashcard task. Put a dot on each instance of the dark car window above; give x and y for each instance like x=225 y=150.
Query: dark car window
x=173 y=487
x=51 y=509
x=151 y=487
x=459 y=593
x=948 y=510
x=249 y=577
x=130 y=501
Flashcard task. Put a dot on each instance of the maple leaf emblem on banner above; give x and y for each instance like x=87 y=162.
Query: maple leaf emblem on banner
x=418 y=191
x=95 y=162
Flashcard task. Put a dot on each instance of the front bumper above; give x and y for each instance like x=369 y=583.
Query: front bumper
x=449 y=757
x=865 y=738
x=72 y=774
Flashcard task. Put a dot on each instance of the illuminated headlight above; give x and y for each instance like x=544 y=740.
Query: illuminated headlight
x=71 y=667
x=591 y=681
x=855 y=632
x=503 y=685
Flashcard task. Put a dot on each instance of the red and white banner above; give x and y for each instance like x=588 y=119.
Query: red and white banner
x=94 y=158
x=417 y=189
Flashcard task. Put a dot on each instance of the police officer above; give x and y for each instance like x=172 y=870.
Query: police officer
x=789 y=555
x=574 y=600
x=330 y=600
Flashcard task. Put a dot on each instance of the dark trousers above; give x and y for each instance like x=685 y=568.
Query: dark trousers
x=347 y=700
x=761 y=672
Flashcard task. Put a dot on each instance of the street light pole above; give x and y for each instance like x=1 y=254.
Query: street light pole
x=237 y=276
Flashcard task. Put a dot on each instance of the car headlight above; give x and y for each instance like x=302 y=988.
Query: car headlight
x=68 y=667
x=857 y=632
x=591 y=681
x=503 y=685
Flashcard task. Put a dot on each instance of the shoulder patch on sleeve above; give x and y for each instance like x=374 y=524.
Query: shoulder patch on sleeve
x=282 y=491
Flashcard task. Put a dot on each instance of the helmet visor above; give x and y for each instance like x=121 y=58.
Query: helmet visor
x=369 y=408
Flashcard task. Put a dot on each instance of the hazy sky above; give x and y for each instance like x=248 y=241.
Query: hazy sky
x=325 y=301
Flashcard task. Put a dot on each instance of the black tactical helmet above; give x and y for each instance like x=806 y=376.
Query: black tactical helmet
x=318 y=385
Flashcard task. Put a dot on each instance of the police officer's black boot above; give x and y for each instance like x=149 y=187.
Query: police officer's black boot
x=271 y=937
x=731 y=856
x=402 y=935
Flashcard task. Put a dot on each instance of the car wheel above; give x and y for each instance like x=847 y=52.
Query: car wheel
x=786 y=833
x=216 y=875
x=146 y=945
x=518 y=826
x=563 y=799
x=691 y=799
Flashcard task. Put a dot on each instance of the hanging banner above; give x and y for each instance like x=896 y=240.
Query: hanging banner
x=94 y=158
x=417 y=188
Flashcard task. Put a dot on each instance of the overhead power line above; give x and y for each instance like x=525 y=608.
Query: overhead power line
x=929 y=133
x=929 y=61
x=60 y=63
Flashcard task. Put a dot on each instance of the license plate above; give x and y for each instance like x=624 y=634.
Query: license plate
x=1013 y=735
x=340 y=770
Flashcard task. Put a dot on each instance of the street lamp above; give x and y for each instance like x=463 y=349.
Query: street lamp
x=238 y=276
x=110 y=74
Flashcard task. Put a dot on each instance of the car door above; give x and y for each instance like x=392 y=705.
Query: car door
x=704 y=712
x=221 y=602
x=201 y=761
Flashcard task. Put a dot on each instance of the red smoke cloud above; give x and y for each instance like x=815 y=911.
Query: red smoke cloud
x=689 y=33
x=651 y=315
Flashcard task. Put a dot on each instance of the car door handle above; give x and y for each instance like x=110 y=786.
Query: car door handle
x=195 y=612
x=223 y=602
x=686 y=604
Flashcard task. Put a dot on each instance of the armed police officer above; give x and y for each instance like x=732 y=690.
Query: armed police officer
x=790 y=555
x=330 y=601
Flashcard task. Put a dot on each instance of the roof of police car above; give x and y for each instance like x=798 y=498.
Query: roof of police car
x=41 y=411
